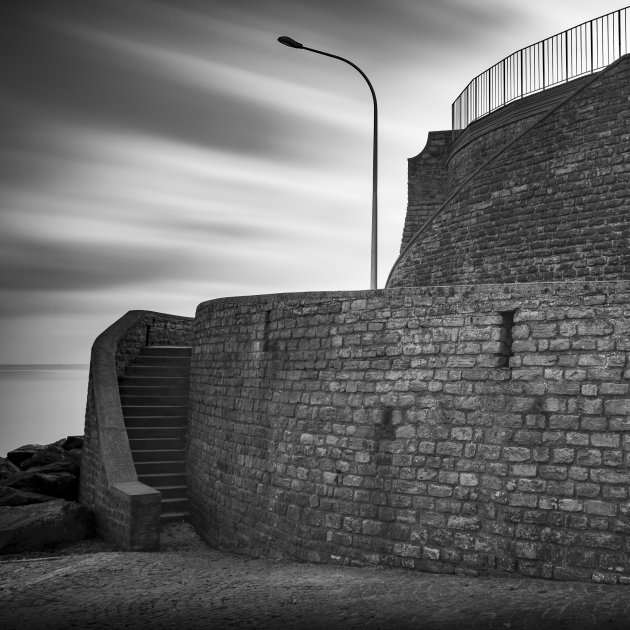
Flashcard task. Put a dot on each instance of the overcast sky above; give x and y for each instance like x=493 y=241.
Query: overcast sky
x=157 y=154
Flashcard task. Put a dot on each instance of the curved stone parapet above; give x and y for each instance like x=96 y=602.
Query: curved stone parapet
x=127 y=512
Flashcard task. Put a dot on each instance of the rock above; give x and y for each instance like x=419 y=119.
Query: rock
x=18 y=455
x=7 y=469
x=47 y=455
x=37 y=455
x=72 y=442
x=41 y=525
x=12 y=496
x=35 y=470
x=59 y=480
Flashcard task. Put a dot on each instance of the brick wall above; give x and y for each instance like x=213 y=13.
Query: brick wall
x=464 y=158
x=462 y=429
x=426 y=183
x=553 y=205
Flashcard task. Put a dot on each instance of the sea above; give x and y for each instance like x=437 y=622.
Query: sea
x=40 y=404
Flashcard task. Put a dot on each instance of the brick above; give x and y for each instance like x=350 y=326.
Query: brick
x=516 y=454
x=468 y=479
x=468 y=523
x=604 y=475
x=600 y=508
x=617 y=407
x=609 y=440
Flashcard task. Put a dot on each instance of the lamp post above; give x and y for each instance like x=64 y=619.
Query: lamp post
x=291 y=43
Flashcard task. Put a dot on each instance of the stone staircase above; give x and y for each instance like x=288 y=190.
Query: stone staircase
x=154 y=397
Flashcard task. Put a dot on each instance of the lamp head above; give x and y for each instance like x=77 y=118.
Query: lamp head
x=291 y=43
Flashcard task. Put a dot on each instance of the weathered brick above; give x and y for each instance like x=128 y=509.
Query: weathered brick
x=516 y=454
x=618 y=407
x=468 y=523
x=604 y=475
x=600 y=508
x=609 y=440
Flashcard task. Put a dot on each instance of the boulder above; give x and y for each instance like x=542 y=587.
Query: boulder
x=41 y=525
x=39 y=455
x=18 y=455
x=59 y=480
x=12 y=496
x=72 y=442
x=7 y=469
x=50 y=454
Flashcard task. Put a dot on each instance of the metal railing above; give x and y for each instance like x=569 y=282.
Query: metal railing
x=574 y=53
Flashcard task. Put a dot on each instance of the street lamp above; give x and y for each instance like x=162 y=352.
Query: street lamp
x=291 y=43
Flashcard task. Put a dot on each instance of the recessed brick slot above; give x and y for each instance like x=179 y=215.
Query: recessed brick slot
x=505 y=339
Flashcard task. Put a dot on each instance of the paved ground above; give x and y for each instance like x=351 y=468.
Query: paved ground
x=188 y=585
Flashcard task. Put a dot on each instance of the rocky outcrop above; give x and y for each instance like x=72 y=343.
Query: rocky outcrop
x=40 y=525
x=51 y=470
x=39 y=488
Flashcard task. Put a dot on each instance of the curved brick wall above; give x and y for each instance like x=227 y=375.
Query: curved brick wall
x=465 y=159
x=451 y=429
x=488 y=135
x=555 y=204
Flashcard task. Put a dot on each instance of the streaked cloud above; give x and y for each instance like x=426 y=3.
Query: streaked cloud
x=156 y=154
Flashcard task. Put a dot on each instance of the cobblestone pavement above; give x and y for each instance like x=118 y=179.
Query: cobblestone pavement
x=189 y=585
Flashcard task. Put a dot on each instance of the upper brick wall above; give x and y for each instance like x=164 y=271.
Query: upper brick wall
x=554 y=204
x=426 y=183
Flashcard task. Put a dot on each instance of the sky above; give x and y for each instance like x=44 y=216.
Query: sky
x=156 y=154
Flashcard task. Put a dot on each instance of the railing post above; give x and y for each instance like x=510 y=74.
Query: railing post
x=566 y=56
x=489 y=91
x=591 y=46
x=619 y=29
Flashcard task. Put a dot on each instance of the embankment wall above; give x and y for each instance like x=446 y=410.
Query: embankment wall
x=462 y=429
x=551 y=203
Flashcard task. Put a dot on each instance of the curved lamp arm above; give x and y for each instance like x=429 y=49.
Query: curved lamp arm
x=291 y=43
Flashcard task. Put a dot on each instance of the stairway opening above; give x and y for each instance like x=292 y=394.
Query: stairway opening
x=154 y=398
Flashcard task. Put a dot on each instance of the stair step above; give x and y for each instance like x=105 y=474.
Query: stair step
x=134 y=411
x=174 y=517
x=181 y=351
x=160 y=468
x=138 y=434
x=162 y=480
x=145 y=422
x=175 y=422
x=153 y=390
x=162 y=362
x=174 y=505
x=154 y=381
x=157 y=370
x=153 y=443
x=164 y=456
x=173 y=492
x=152 y=399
